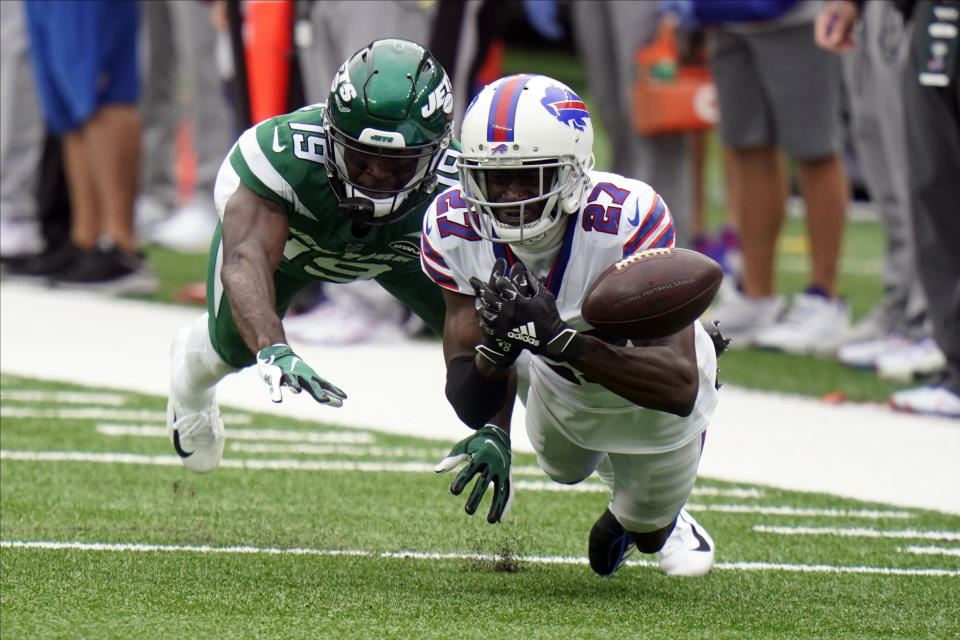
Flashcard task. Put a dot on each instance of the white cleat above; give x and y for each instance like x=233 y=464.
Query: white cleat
x=689 y=549
x=197 y=437
x=743 y=317
x=813 y=325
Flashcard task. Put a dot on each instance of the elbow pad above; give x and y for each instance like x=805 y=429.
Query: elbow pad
x=475 y=398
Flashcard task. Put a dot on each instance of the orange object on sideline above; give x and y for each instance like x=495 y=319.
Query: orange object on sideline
x=268 y=45
x=668 y=97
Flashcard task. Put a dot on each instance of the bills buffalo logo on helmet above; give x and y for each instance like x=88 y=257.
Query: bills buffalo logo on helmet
x=500 y=148
x=566 y=107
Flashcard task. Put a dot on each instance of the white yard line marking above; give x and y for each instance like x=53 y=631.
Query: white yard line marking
x=597 y=487
x=339 y=449
x=64 y=397
x=932 y=551
x=802 y=511
x=234 y=463
x=423 y=467
x=421 y=555
x=858 y=532
x=349 y=437
x=100 y=413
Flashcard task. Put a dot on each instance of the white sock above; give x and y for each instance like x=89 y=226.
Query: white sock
x=195 y=367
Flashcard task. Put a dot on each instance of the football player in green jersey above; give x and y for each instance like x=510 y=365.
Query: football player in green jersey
x=332 y=192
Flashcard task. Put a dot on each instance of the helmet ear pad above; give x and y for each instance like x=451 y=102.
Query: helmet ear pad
x=521 y=122
x=390 y=100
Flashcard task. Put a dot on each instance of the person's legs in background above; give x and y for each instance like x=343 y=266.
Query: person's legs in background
x=198 y=114
x=770 y=99
x=86 y=63
x=607 y=36
x=931 y=93
x=21 y=139
x=894 y=337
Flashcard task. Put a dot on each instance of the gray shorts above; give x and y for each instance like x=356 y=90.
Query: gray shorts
x=777 y=88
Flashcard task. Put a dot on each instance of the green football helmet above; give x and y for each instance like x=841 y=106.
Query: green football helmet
x=388 y=120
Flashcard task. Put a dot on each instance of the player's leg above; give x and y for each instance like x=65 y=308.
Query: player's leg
x=562 y=460
x=566 y=463
x=648 y=495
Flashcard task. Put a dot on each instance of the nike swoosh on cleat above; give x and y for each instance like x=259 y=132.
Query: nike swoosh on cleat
x=703 y=541
x=176 y=445
x=277 y=147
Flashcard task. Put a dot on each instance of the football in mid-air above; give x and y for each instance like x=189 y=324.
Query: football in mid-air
x=652 y=294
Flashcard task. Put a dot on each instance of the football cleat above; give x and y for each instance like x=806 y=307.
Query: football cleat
x=197 y=437
x=688 y=550
x=610 y=545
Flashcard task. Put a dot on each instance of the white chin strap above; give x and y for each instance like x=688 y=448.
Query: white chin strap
x=381 y=206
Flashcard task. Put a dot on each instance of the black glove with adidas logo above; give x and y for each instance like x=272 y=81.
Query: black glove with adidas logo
x=492 y=310
x=518 y=312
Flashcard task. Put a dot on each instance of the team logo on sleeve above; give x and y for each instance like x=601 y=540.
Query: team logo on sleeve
x=566 y=107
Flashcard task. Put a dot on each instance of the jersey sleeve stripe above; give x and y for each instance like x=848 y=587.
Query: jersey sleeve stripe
x=427 y=250
x=651 y=227
x=265 y=172
x=444 y=281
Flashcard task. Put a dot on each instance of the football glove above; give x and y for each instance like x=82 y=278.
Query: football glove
x=490 y=306
x=487 y=453
x=280 y=367
x=524 y=313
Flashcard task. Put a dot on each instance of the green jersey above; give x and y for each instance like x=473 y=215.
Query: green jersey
x=281 y=159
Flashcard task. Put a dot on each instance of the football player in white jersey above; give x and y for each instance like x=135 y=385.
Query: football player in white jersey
x=515 y=248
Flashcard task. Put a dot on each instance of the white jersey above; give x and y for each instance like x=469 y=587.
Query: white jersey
x=619 y=217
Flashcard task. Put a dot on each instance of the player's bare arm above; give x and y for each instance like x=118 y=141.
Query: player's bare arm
x=254 y=234
x=660 y=375
x=657 y=374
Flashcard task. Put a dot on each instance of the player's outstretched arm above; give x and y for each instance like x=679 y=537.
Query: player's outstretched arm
x=662 y=374
x=254 y=234
x=657 y=374
x=482 y=393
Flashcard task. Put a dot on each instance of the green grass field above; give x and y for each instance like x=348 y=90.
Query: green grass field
x=310 y=531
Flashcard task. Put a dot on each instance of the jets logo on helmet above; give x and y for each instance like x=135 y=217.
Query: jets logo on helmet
x=566 y=107
x=440 y=98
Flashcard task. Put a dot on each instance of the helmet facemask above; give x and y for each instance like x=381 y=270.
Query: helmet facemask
x=373 y=181
x=555 y=185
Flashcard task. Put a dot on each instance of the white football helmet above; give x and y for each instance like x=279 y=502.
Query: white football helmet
x=526 y=122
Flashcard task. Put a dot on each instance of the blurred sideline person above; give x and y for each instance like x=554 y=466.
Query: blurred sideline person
x=895 y=336
x=182 y=85
x=607 y=35
x=517 y=245
x=931 y=107
x=21 y=138
x=326 y=33
x=777 y=91
x=85 y=59
x=332 y=192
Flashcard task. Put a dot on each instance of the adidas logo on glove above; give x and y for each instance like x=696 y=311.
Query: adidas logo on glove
x=525 y=333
